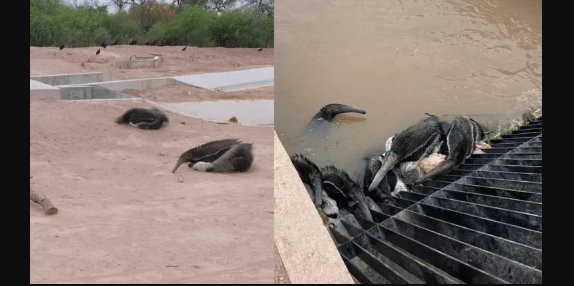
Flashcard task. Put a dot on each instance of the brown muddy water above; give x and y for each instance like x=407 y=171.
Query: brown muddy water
x=398 y=60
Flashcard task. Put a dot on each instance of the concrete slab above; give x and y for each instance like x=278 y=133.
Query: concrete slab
x=137 y=84
x=136 y=62
x=100 y=85
x=229 y=81
x=304 y=245
x=40 y=91
x=76 y=78
x=257 y=112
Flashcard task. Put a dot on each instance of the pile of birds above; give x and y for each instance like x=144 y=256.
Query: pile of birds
x=222 y=156
x=413 y=156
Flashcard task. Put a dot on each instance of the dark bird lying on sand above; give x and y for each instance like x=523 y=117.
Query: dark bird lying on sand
x=61 y=47
x=226 y=155
x=184 y=48
x=143 y=118
x=98 y=52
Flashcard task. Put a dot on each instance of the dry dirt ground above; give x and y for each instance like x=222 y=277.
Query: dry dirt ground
x=51 y=60
x=123 y=216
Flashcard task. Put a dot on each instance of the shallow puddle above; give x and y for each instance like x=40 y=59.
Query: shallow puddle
x=257 y=112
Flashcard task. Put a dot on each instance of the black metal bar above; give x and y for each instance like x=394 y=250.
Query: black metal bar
x=496 y=265
x=493 y=201
x=507 y=231
x=448 y=264
x=521 y=253
x=494 y=191
x=529 y=221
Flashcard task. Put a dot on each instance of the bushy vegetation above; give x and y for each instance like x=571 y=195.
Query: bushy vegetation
x=53 y=24
x=190 y=27
x=245 y=28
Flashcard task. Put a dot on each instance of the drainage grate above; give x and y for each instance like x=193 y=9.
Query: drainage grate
x=481 y=223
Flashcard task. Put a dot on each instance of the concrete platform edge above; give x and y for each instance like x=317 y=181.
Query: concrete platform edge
x=303 y=243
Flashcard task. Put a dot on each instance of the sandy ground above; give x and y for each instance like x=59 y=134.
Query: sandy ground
x=123 y=216
x=51 y=60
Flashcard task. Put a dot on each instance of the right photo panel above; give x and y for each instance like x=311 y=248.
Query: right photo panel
x=408 y=143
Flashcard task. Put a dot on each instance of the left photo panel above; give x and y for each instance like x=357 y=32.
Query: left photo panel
x=151 y=141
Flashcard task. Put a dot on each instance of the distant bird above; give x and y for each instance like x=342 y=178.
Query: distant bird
x=104 y=45
x=184 y=48
x=98 y=52
x=116 y=42
x=266 y=42
x=61 y=47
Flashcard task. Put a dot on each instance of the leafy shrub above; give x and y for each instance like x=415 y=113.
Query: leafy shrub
x=55 y=24
x=246 y=28
x=191 y=27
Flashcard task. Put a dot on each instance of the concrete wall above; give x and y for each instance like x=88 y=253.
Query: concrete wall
x=233 y=80
x=88 y=92
x=79 y=78
x=138 y=62
x=304 y=245
x=39 y=91
x=138 y=84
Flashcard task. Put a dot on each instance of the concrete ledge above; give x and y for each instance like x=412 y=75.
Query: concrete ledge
x=136 y=62
x=137 y=84
x=88 y=92
x=303 y=243
x=76 y=78
x=229 y=81
x=39 y=91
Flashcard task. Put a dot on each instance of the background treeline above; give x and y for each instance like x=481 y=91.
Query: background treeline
x=204 y=23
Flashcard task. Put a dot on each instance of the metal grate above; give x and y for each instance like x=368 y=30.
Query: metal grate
x=481 y=223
